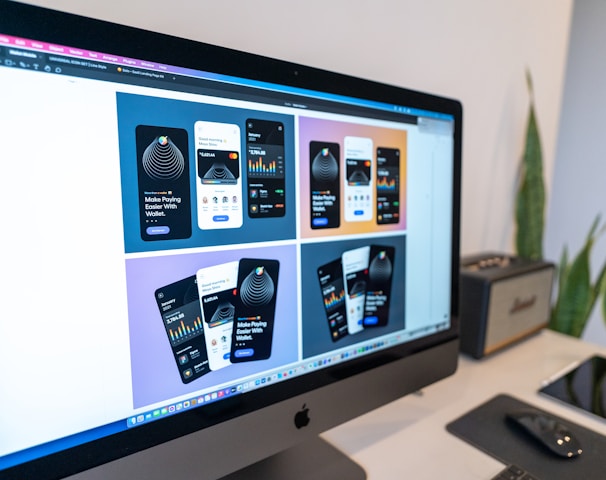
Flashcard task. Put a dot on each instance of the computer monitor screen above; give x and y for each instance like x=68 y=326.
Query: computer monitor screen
x=208 y=255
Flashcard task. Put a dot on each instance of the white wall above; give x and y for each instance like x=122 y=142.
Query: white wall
x=474 y=50
x=579 y=182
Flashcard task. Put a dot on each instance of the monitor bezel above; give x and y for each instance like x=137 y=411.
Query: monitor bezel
x=27 y=21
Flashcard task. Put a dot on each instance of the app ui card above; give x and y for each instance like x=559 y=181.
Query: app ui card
x=217 y=285
x=163 y=180
x=358 y=179
x=180 y=310
x=378 y=291
x=324 y=185
x=219 y=183
x=265 y=167
x=333 y=296
x=255 y=309
x=388 y=185
x=355 y=272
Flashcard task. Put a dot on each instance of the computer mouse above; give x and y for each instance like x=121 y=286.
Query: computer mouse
x=549 y=431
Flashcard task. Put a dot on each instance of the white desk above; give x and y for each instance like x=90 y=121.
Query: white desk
x=408 y=439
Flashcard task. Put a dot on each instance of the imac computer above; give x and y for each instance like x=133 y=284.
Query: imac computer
x=209 y=257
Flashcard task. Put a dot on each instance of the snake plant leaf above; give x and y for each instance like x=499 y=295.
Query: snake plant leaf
x=594 y=227
x=530 y=197
x=574 y=296
x=600 y=289
x=602 y=292
x=563 y=270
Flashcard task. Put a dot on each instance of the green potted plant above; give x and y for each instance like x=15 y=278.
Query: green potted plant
x=576 y=293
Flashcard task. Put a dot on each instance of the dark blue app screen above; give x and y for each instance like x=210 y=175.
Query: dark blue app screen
x=179 y=306
x=266 y=169
x=333 y=296
x=324 y=183
x=378 y=291
x=388 y=185
x=255 y=303
x=163 y=177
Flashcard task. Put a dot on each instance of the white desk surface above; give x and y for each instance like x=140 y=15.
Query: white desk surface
x=407 y=438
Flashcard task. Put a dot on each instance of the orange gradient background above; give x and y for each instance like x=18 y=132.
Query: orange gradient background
x=314 y=129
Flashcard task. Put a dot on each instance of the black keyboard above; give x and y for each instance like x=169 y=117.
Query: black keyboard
x=513 y=472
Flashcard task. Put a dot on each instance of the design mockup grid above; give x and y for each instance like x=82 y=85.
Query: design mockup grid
x=226 y=201
x=239 y=242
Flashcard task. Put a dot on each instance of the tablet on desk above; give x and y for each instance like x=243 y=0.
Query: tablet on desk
x=583 y=386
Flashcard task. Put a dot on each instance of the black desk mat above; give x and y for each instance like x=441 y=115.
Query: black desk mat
x=486 y=428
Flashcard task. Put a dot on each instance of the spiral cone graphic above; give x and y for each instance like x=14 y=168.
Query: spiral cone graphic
x=324 y=166
x=218 y=171
x=257 y=288
x=380 y=268
x=358 y=177
x=224 y=313
x=162 y=160
x=358 y=288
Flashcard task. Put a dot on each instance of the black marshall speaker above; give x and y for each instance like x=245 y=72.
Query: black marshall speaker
x=503 y=299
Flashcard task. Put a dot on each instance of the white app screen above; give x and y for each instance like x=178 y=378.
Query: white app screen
x=219 y=179
x=358 y=179
x=355 y=274
x=216 y=286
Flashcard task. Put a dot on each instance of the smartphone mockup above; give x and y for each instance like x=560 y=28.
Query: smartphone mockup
x=255 y=304
x=180 y=311
x=358 y=179
x=324 y=185
x=333 y=296
x=355 y=273
x=216 y=285
x=378 y=291
x=388 y=186
x=219 y=183
x=163 y=181
x=265 y=168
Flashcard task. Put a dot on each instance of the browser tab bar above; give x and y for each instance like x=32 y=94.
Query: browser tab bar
x=432 y=125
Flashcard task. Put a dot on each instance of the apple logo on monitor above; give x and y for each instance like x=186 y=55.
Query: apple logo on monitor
x=302 y=417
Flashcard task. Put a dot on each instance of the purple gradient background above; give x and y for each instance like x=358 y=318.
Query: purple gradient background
x=154 y=371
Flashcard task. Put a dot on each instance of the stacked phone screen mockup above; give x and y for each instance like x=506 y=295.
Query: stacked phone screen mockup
x=222 y=315
x=356 y=289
